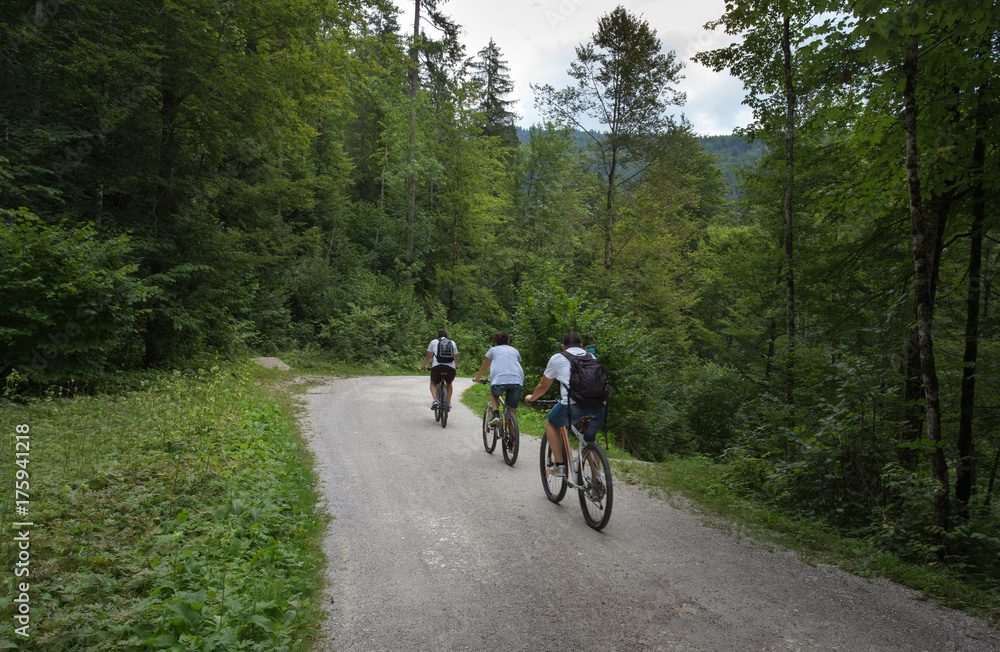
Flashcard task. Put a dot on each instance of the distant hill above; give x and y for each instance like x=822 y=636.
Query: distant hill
x=730 y=152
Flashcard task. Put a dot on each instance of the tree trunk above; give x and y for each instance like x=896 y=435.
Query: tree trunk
x=924 y=231
x=790 y=101
x=965 y=473
x=912 y=420
x=609 y=212
x=411 y=177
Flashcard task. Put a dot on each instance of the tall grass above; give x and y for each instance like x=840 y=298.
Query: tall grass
x=181 y=516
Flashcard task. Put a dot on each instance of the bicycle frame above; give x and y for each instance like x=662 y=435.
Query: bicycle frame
x=574 y=463
x=507 y=431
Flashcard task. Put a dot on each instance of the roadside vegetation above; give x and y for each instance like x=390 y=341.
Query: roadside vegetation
x=179 y=515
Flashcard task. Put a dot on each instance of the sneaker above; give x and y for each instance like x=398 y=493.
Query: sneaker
x=494 y=421
x=557 y=470
x=434 y=405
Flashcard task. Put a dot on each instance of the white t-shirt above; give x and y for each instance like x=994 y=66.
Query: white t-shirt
x=505 y=366
x=433 y=348
x=558 y=370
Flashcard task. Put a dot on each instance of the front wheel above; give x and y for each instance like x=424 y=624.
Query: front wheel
x=555 y=486
x=511 y=439
x=597 y=493
x=443 y=395
x=489 y=432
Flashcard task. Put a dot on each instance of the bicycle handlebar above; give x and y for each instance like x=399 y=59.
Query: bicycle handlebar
x=543 y=402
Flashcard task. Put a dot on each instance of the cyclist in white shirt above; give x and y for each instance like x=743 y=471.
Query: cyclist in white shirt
x=558 y=369
x=506 y=374
x=446 y=367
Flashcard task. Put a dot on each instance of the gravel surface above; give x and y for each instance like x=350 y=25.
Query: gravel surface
x=437 y=545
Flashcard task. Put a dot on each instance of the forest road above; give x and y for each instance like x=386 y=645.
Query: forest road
x=437 y=545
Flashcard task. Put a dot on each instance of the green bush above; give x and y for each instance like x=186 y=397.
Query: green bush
x=70 y=301
x=714 y=411
x=645 y=407
x=379 y=322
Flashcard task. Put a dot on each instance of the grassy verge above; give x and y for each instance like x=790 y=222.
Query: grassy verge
x=181 y=516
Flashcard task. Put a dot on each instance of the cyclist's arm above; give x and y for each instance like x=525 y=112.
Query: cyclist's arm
x=482 y=370
x=427 y=358
x=543 y=386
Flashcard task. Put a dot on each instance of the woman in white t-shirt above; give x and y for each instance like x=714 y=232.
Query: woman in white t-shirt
x=506 y=375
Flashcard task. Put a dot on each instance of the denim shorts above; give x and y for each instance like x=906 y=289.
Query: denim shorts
x=513 y=394
x=559 y=417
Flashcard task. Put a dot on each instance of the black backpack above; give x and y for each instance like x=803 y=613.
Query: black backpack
x=588 y=386
x=446 y=350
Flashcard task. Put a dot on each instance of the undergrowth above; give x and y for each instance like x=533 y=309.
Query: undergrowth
x=179 y=516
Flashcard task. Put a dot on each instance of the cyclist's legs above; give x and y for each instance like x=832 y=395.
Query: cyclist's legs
x=437 y=373
x=559 y=416
x=555 y=442
x=448 y=373
x=512 y=395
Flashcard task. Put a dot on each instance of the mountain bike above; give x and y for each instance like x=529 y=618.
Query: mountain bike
x=507 y=431
x=592 y=480
x=442 y=408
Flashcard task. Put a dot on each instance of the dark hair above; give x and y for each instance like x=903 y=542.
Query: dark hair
x=501 y=338
x=572 y=338
x=442 y=332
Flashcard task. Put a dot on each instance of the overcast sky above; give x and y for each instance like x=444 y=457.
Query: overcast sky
x=538 y=39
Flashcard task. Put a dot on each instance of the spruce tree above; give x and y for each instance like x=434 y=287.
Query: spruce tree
x=494 y=75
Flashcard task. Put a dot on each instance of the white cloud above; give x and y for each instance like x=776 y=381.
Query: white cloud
x=538 y=39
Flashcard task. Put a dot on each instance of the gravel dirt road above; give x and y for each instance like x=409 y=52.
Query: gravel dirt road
x=437 y=545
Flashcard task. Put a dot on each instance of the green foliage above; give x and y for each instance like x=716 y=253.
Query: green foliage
x=70 y=300
x=378 y=323
x=714 y=411
x=181 y=516
x=644 y=410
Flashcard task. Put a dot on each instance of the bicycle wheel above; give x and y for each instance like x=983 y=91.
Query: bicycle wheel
x=511 y=439
x=597 y=492
x=489 y=433
x=555 y=486
x=443 y=394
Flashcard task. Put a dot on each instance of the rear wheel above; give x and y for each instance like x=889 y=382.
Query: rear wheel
x=511 y=439
x=597 y=491
x=443 y=395
x=489 y=432
x=555 y=486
